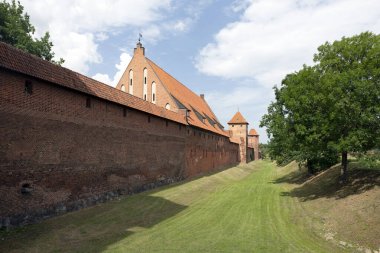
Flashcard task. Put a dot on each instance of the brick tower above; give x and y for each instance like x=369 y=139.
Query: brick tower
x=238 y=127
x=253 y=142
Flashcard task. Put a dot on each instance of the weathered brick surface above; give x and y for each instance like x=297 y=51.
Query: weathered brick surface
x=72 y=156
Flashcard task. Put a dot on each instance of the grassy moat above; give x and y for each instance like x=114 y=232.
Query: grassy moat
x=252 y=208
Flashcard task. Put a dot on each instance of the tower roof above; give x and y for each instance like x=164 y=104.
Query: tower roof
x=238 y=119
x=253 y=132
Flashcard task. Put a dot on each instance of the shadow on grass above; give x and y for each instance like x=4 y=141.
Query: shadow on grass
x=326 y=184
x=96 y=228
x=294 y=177
x=92 y=229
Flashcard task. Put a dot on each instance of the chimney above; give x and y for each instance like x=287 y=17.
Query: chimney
x=139 y=49
x=202 y=96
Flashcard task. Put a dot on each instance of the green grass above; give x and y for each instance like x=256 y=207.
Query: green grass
x=241 y=209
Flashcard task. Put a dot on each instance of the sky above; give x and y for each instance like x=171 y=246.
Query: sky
x=234 y=51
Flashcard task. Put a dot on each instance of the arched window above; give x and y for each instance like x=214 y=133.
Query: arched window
x=122 y=87
x=167 y=106
x=154 y=93
x=131 y=82
x=145 y=85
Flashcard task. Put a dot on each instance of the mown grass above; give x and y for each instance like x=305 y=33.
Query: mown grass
x=242 y=209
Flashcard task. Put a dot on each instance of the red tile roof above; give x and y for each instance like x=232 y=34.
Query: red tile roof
x=19 y=61
x=198 y=107
x=238 y=119
x=253 y=132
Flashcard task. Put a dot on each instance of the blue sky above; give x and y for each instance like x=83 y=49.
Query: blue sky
x=232 y=51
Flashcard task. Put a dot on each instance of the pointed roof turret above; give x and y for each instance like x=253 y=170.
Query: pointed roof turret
x=253 y=132
x=238 y=119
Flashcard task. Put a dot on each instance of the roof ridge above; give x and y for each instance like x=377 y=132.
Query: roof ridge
x=171 y=76
x=149 y=62
x=189 y=99
x=184 y=86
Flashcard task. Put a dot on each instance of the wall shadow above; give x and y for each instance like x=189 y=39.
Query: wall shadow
x=111 y=222
x=327 y=185
x=95 y=228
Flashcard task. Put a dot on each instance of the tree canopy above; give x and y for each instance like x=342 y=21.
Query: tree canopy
x=16 y=30
x=329 y=108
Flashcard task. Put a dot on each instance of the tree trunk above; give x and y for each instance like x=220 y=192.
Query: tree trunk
x=343 y=171
x=310 y=167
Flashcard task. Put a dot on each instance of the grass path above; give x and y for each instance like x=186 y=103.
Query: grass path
x=237 y=210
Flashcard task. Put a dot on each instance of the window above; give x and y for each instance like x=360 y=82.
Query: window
x=167 y=123
x=154 y=93
x=125 y=112
x=131 y=82
x=122 y=87
x=26 y=189
x=148 y=118
x=88 y=102
x=167 y=106
x=145 y=85
x=28 y=89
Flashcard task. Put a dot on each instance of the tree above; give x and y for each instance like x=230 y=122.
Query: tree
x=331 y=107
x=16 y=30
x=350 y=70
x=293 y=123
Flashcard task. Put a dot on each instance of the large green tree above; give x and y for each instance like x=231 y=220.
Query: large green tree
x=332 y=107
x=293 y=122
x=16 y=30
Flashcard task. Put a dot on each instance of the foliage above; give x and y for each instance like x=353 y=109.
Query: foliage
x=16 y=30
x=370 y=159
x=329 y=108
x=263 y=150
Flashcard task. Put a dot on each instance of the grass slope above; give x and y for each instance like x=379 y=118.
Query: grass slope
x=349 y=214
x=242 y=209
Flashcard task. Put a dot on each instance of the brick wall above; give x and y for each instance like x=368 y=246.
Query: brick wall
x=206 y=151
x=66 y=150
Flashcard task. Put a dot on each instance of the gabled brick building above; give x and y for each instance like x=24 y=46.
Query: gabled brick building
x=68 y=141
x=146 y=80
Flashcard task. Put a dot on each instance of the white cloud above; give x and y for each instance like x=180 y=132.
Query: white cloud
x=273 y=38
x=77 y=26
x=104 y=78
x=180 y=25
x=102 y=36
x=77 y=55
x=120 y=68
x=276 y=37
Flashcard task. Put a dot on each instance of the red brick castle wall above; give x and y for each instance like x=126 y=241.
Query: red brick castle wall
x=62 y=150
